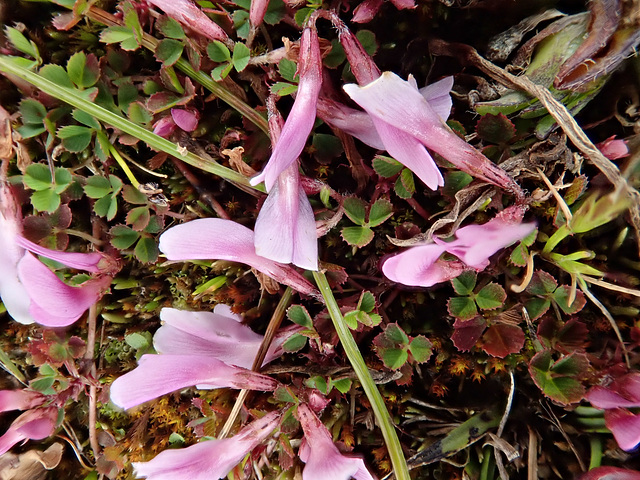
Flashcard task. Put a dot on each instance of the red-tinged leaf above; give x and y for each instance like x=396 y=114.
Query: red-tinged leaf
x=158 y=102
x=139 y=218
x=467 y=333
x=561 y=297
x=542 y=283
x=559 y=380
x=420 y=348
x=495 y=128
x=573 y=335
x=464 y=283
x=501 y=340
x=536 y=307
x=463 y=308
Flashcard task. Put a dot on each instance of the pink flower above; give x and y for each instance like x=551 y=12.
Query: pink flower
x=20 y=400
x=186 y=119
x=613 y=149
x=189 y=15
x=474 y=244
x=303 y=113
x=196 y=348
x=610 y=473
x=216 y=238
x=622 y=393
x=323 y=459
x=219 y=334
x=407 y=123
x=29 y=290
x=367 y=10
x=31 y=425
x=210 y=459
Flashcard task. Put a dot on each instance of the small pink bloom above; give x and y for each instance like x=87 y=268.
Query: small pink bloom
x=285 y=229
x=29 y=290
x=164 y=127
x=610 y=473
x=31 y=425
x=218 y=334
x=157 y=375
x=303 y=113
x=20 y=400
x=216 y=238
x=210 y=459
x=613 y=149
x=256 y=11
x=189 y=15
x=323 y=459
x=186 y=119
x=622 y=393
x=366 y=11
x=473 y=245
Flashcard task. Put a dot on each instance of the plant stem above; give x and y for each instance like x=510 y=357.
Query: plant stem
x=11 y=65
x=380 y=411
x=125 y=168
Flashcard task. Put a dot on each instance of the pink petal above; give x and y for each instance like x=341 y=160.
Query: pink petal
x=366 y=11
x=187 y=120
x=438 y=94
x=625 y=427
x=419 y=266
x=80 y=261
x=14 y=296
x=303 y=113
x=474 y=244
x=285 y=230
x=354 y=122
x=410 y=152
x=629 y=386
x=187 y=13
x=210 y=459
x=19 y=400
x=216 y=238
x=610 y=473
x=32 y=424
x=157 y=375
x=398 y=103
x=257 y=10
x=613 y=149
x=164 y=127
x=623 y=392
x=403 y=4
x=323 y=459
x=53 y=302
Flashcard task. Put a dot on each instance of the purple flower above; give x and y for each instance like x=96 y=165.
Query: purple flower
x=473 y=245
x=303 y=113
x=29 y=290
x=285 y=229
x=622 y=393
x=20 y=400
x=610 y=473
x=189 y=15
x=613 y=148
x=210 y=459
x=216 y=238
x=323 y=459
x=219 y=334
x=186 y=119
x=31 y=425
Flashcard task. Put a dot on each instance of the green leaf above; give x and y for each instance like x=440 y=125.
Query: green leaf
x=275 y=12
x=519 y=255
x=302 y=15
x=75 y=138
x=218 y=52
x=146 y=250
x=393 y=358
x=318 y=383
x=294 y=343
x=287 y=69
x=62 y=179
x=357 y=236
x=395 y=334
x=37 y=177
x=386 y=167
x=491 y=296
x=367 y=302
x=133 y=195
x=536 y=307
x=496 y=129
x=43 y=385
x=368 y=41
x=45 y=200
x=561 y=297
x=463 y=308
x=139 y=114
x=57 y=75
x=351 y=319
x=21 y=43
x=116 y=34
x=282 y=89
x=400 y=185
x=299 y=315
x=221 y=71
x=596 y=211
x=169 y=51
x=137 y=341
x=106 y=206
x=464 y=283
x=170 y=28
x=455 y=181
x=97 y=187
x=355 y=208
x=380 y=211
x=542 y=283
x=86 y=119
x=83 y=70
x=123 y=237
x=559 y=381
x=343 y=385
x=284 y=394
x=420 y=348
x=241 y=56
x=32 y=111
x=138 y=218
